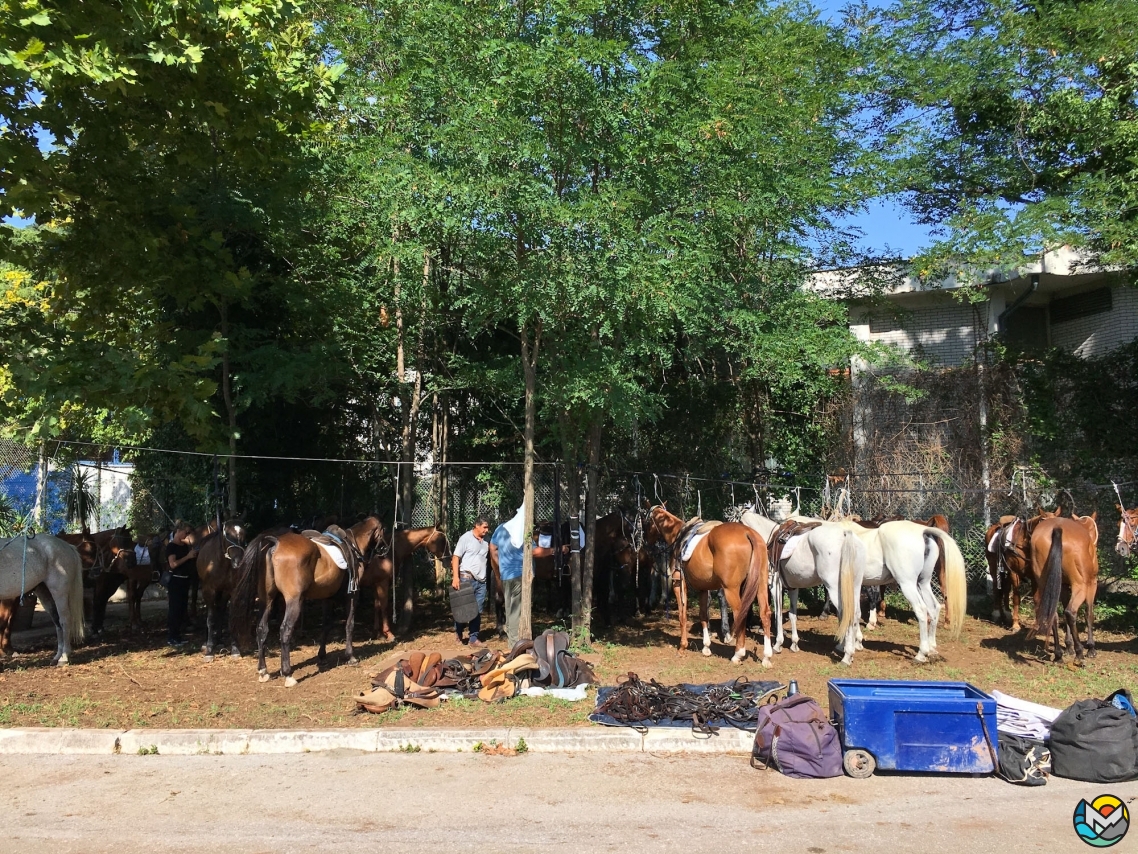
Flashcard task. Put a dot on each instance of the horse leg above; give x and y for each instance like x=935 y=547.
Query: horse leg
x=876 y=598
x=916 y=600
x=724 y=619
x=55 y=609
x=776 y=595
x=262 y=636
x=288 y=623
x=224 y=600
x=880 y=615
x=741 y=624
x=793 y=620
x=1071 y=615
x=704 y=599
x=325 y=630
x=679 y=587
x=1091 y=590
x=1013 y=594
x=349 y=627
x=210 y=622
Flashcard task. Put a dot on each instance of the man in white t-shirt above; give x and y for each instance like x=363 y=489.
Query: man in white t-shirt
x=468 y=564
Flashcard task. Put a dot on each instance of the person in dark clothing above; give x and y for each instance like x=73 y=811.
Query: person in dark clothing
x=180 y=558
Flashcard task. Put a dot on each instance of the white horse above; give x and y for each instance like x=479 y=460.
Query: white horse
x=52 y=570
x=828 y=555
x=906 y=553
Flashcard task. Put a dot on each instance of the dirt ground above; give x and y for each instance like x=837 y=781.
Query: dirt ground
x=125 y=681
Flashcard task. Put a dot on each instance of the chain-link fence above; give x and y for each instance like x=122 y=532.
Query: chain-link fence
x=154 y=488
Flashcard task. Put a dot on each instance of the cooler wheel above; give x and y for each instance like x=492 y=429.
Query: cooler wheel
x=859 y=764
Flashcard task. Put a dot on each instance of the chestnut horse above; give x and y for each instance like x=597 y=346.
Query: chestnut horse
x=1127 y=531
x=294 y=568
x=380 y=569
x=731 y=557
x=1064 y=559
x=219 y=556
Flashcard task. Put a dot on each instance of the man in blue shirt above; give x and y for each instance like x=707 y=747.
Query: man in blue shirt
x=509 y=560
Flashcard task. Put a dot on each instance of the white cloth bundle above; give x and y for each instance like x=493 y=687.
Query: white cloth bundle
x=1023 y=718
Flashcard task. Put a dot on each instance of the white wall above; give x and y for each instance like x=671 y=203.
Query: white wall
x=1097 y=334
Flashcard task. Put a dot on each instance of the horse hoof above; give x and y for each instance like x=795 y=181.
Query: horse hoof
x=263 y=676
x=63 y=662
x=858 y=647
x=794 y=647
x=290 y=682
x=729 y=639
x=920 y=658
x=353 y=662
x=207 y=657
x=778 y=650
x=235 y=656
x=389 y=637
x=767 y=663
x=706 y=651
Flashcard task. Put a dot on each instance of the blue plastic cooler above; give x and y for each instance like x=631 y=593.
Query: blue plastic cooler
x=943 y=727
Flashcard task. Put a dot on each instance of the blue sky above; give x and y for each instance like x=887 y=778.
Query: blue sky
x=885 y=223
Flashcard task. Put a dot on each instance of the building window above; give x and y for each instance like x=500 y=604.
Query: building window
x=1081 y=305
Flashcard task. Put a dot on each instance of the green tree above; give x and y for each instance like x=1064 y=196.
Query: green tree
x=1011 y=126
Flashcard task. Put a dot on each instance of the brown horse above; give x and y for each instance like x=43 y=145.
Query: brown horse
x=219 y=555
x=294 y=567
x=1127 y=531
x=380 y=569
x=731 y=557
x=114 y=563
x=1008 y=552
x=1064 y=559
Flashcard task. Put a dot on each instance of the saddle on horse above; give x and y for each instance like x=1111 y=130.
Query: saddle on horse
x=690 y=535
x=782 y=535
x=335 y=539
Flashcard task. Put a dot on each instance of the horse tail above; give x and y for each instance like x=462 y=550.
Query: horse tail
x=1052 y=584
x=73 y=566
x=756 y=579
x=955 y=579
x=258 y=556
x=849 y=608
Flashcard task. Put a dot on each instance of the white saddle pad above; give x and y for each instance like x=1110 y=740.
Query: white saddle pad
x=689 y=546
x=545 y=541
x=1011 y=529
x=791 y=544
x=335 y=553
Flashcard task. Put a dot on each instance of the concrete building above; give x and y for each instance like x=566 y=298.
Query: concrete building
x=1060 y=301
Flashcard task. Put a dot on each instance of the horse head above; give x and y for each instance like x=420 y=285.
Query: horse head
x=437 y=544
x=1127 y=530
x=665 y=527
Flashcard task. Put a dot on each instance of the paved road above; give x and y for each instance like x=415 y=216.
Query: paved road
x=347 y=802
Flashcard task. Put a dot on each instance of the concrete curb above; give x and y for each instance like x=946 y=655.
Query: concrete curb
x=230 y=742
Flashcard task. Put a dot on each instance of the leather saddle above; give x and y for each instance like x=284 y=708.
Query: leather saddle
x=557 y=666
x=338 y=538
x=783 y=534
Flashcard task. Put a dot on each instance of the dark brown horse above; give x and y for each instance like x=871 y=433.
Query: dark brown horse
x=219 y=556
x=294 y=567
x=380 y=569
x=1008 y=552
x=730 y=557
x=1064 y=560
x=114 y=563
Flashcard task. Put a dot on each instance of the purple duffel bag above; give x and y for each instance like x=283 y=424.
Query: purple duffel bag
x=795 y=736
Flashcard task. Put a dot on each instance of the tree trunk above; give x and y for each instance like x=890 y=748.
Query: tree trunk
x=529 y=369
x=573 y=486
x=593 y=471
x=230 y=412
